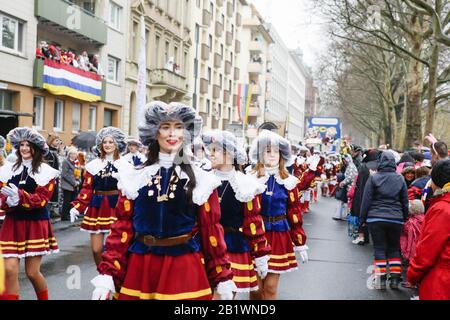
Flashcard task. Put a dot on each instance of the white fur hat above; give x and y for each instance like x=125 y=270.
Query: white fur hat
x=269 y=138
x=227 y=142
x=17 y=135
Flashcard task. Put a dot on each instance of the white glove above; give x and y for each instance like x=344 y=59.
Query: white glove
x=12 y=194
x=262 y=266
x=303 y=252
x=104 y=287
x=225 y=289
x=74 y=213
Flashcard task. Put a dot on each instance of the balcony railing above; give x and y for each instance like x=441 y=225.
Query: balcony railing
x=206 y=19
x=238 y=19
x=252 y=133
x=205 y=52
x=229 y=38
x=216 y=92
x=226 y=96
x=227 y=67
x=256 y=46
x=204 y=84
x=62 y=12
x=254 y=112
x=255 y=67
x=217 y=60
x=229 y=9
x=168 y=78
x=252 y=22
x=219 y=3
x=256 y=89
x=237 y=46
x=236 y=74
x=219 y=29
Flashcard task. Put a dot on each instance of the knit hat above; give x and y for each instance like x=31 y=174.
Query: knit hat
x=19 y=134
x=441 y=173
x=115 y=133
x=269 y=138
x=226 y=141
x=157 y=112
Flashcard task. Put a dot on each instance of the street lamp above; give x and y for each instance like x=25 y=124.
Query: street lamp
x=197 y=40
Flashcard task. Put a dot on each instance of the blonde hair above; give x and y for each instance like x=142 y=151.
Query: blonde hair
x=282 y=171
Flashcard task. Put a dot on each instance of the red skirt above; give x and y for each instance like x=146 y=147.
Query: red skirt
x=154 y=277
x=282 y=256
x=99 y=220
x=27 y=238
x=244 y=274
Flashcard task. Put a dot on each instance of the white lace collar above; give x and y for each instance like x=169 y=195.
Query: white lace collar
x=96 y=165
x=131 y=180
x=289 y=183
x=44 y=175
x=245 y=187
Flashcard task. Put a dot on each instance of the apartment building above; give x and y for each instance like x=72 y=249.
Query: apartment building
x=296 y=93
x=216 y=55
x=169 y=38
x=45 y=92
x=255 y=69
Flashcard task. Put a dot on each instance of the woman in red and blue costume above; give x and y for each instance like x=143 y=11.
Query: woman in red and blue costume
x=27 y=187
x=98 y=195
x=240 y=208
x=167 y=242
x=280 y=209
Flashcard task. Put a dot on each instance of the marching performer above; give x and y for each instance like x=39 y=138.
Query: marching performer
x=134 y=156
x=199 y=153
x=27 y=187
x=167 y=243
x=279 y=208
x=98 y=195
x=240 y=208
x=2 y=163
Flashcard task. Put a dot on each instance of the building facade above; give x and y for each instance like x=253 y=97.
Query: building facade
x=45 y=92
x=168 y=37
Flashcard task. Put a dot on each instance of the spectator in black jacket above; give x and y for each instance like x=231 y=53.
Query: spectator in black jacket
x=70 y=181
x=385 y=209
x=54 y=142
x=369 y=162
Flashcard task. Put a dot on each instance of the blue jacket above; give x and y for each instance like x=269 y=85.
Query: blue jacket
x=385 y=194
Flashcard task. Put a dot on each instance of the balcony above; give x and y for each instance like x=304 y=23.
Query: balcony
x=255 y=68
x=268 y=95
x=237 y=46
x=256 y=89
x=252 y=133
x=254 y=112
x=236 y=74
x=216 y=91
x=252 y=22
x=217 y=60
x=219 y=29
x=226 y=96
x=204 y=84
x=219 y=3
x=58 y=14
x=268 y=77
x=256 y=46
x=69 y=82
x=206 y=19
x=229 y=38
x=238 y=19
x=229 y=9
x=167 y=85
x=235 y=100
x=205 y=52
x=227 y=67
x=269 y=57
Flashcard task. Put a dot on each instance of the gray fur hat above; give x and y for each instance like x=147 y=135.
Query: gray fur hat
x=268 y=138
x=133 y=141
x=113 y=132
x=19 y=134
x=2 y=143
x=157 y=112
x=226 y=141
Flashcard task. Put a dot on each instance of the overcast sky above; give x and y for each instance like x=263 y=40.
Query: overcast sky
x=297 y=24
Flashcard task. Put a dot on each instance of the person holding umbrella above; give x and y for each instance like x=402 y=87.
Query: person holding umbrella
x=99 y=193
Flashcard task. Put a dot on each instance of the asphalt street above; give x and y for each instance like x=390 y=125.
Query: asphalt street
x=337 y=269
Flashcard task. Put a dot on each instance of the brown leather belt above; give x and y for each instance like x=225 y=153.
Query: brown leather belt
x=149 y=240
x=230 y=229
x=106 y=193
x=274 y=219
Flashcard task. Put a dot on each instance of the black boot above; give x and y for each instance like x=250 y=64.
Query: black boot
x=394 y=281
x=380 y=282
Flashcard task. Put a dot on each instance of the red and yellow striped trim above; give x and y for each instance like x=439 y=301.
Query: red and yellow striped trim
x=163 y=296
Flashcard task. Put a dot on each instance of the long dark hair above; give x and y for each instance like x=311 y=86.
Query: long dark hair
x=185 y=165
x=37 y=160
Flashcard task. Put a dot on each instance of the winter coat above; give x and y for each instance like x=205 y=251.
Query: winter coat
x=410 y=235
x=415 y=190
x=385 y=194
x=361 y=179
x=68 y=180
x=341 y=193
x=53 y=161
x=430 y=266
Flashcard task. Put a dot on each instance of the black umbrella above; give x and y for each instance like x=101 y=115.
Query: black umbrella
x=85 y=140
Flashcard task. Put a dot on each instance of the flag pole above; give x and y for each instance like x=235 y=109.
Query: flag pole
x=141 y=91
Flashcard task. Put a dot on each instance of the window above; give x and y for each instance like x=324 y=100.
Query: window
x=221 y=50
x=209 y=75
x=108 y=118
x=38 y=112
x=76 y=117
x=113 y=69
x=210 y=43
x=135 y=39
x=185 y=64
x=11 y=37
x=220 y=81
x=89 y=5
x=208 y=106
x=156 y=62
x=92 y=118
x=6 y=100
x=166 y=52
x=198 y=3
x=114 y=16
x=58 y=115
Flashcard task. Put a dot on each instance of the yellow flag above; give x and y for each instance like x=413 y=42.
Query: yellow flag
x=247 y=105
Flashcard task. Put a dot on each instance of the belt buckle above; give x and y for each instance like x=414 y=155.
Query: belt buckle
x=149 y=240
